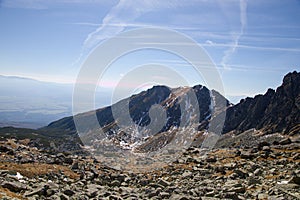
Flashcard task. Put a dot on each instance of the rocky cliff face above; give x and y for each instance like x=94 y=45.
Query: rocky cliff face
x=140 y=104
x=275 y=111
x=175 y=102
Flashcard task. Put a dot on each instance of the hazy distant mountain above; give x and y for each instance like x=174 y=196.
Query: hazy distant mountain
x=30 y=103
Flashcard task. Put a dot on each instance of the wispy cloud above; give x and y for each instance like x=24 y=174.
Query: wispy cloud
x=25 y=4
x=141 y=25
x=209 y=43
x=236 y=37
x=234 y=67
x=121 y=16
x=44 y=4
x=113 y=23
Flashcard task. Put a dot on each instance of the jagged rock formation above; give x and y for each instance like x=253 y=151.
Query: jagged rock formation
x=275 y=111
x=181 y=106
x=140 y=104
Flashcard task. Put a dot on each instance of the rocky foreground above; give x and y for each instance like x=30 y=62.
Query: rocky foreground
x=270 y=169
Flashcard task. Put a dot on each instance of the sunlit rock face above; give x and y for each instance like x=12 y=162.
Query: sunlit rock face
x=275 y=111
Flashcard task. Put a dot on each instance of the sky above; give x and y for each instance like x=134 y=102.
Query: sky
x=253 y=44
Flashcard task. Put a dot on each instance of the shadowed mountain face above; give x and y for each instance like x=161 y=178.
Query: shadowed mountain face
x=275 y=111
x=148 y=121
x=140 y=106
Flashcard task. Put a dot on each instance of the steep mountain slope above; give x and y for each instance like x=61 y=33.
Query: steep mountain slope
x=140 y=104
x=275 y=111
x=181 y=107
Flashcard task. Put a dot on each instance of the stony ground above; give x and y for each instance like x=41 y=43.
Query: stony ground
x=264 y=171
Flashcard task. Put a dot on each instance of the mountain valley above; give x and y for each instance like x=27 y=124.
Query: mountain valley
x=205 y=148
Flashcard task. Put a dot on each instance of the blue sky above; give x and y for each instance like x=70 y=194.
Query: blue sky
x=253 y=43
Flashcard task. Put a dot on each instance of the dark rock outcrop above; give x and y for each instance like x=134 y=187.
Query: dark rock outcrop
x=275 y=111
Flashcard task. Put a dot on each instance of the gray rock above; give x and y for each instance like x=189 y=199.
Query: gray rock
x=230 y=195
x=187 y=174
x=211 y=159
x=262 y=196
x=179 y=197
x=69 y=192
x=164 y=183
x=241 y=173
x=14 y=186
x=143 y=182
x=237 y=189
x=253 y=181
x=38 y=191
x=285 y=141
x=266 y=148
x=258 y=172
x=295 y=180
x=114 y=197
x=296 y=156
x=92 y=191
x=50 y=192
x=68 y=160
x=75 y=166
x=63 y=197
x=164 y=194
x=247 y=155
x=153 y=194
x=210 y=198
x=115 y=183
x=210 y=194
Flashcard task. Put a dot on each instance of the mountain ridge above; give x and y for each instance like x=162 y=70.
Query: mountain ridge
x=272 y=112
x=275 y=111
x=263 y=111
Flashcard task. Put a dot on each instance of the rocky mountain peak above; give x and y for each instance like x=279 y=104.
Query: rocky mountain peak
x=275 y=111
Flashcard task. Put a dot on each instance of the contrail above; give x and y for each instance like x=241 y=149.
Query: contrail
x=243 y=20
x=124 y=12
x=121 y=16
x=113 y=23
